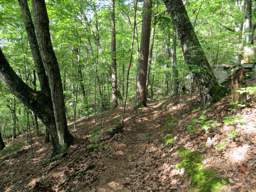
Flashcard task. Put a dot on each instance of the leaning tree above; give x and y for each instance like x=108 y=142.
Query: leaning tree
x=193 y=52
x=47 y=104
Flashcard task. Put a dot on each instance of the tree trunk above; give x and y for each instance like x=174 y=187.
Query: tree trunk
x=28 y=126
x=144 y=53
x=171 y=50
x=26 y=16
x=14 y=118
x=114 y=64
x=247 y=34
x=193 y=53
x=2 y=145
x=130 y=59
x=36 y=126
x=253 y=32
x=75 y=91
x=38 y=102
x=43 y=80
x=150 y=60
x=47 y=135
x=52 y=70
x=247 y=25
x=175 y=72
x=12 y=108
x=80 y=77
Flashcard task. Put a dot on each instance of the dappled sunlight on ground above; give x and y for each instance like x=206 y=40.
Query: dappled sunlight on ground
x=33 y=182
x=248 y=123
x=169 y=171
x=238 y=154
x=158 y=150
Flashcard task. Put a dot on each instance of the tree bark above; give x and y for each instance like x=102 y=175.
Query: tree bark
x=38 y=102
x=2 y=145
x=12 y=108
x=30 y=29
x=47 y=135
x=193 y=53
x=172 y=87
x=26 y=17
x=130 y=59
x=175 y=72
x=150 y=61
x=36 y=126
x=80 y=77
x=28 y=126
x=247 y=25
x=14 y=118
x=144 y=53
x=114 y=64
x=52 y=70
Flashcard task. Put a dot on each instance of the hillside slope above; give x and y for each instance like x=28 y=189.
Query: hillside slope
x=165 y=147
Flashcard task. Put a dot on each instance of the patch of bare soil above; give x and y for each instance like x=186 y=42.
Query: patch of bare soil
x=141 y=158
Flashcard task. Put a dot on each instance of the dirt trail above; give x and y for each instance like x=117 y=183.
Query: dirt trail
x=139 y=159
x=142 y=134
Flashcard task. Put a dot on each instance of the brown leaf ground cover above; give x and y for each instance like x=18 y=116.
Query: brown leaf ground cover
x=164 y=147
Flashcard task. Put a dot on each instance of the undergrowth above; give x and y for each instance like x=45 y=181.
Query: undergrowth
x=202 y=180
x=201 y=122
x=169 y=125
x=94 y=139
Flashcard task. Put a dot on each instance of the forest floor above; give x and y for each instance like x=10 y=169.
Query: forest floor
x=165 y=147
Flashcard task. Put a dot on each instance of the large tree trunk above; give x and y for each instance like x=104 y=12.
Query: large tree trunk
x=150 y=61
x=114 y=65
x=144 y=53
x=193 y=53
x=38 y=102
x=30 y=29
x=56 y=137
x=2 y=145
x=52 y=70
x=26 y=17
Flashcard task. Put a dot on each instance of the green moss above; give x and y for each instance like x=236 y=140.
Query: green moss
x=202 y=180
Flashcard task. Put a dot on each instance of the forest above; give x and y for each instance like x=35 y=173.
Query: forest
x=127 y=95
